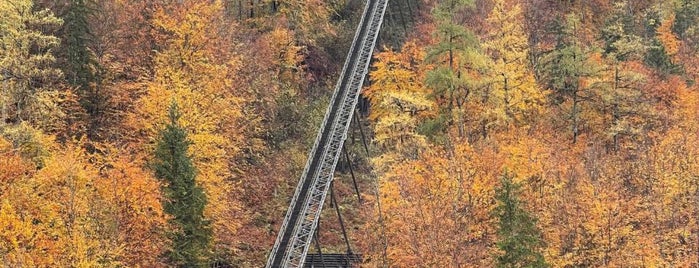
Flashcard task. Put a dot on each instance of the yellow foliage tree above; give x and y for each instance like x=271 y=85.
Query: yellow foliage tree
x=436 y=210
x=25 y=59
x=66 y=187
x=308 y=18
x=197 y=71
x=51 y=217
x=675 y=169
x=399 y=99
x=514 y=95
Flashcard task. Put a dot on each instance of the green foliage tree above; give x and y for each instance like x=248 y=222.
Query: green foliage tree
x=618 y=33
x=184 y=199
x=687 y=19
x=519 y=239
x=79 y=68
x=458 y=62
x=564 y=69
x=82 y=69
x=664 y=44
x=620 y=90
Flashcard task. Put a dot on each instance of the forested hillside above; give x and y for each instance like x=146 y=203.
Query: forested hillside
x=502 y=133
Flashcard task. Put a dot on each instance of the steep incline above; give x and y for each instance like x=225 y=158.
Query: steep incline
x=301 y=219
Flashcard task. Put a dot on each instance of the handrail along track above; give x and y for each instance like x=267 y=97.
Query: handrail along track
x=301 y=219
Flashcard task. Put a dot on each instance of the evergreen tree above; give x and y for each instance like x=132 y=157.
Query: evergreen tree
x=619 y=34
x=184 y=200
x=687 y=19
x=519 y=239
x=77 y=36
x=665 y=45
x=82 y=69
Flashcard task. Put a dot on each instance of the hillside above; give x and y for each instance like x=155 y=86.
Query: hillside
x=489 y=133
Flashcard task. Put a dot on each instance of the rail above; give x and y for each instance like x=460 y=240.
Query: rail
x=301 y=220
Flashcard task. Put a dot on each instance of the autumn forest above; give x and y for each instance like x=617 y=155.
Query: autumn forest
x=489 y=133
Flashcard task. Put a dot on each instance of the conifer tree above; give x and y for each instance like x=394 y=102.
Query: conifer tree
x=459 y=65
x=82 y=69
x=455 y=42
x=519 y=239
x=620 y=90
x=77 y=37
x=663 y=49
x=687 y=20
x=184 y=199
x=564 y=70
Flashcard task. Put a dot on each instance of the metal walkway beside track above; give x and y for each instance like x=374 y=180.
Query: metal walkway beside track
x=296 y=233
x=331 y=260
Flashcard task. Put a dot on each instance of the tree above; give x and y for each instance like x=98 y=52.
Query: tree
x=663 y=49
x=454 y=41
x=519 y=239
x=82 y=69
x=51 y=215
x=132 y=213
x=435 y=209
x=623 y=102
x=565 y=70
x=675 y=162
x=459 y=63
x=25 y=58
x=514 y=95
x=399 y=99
x=184 y=199
x=198 y=67
x=687 y=16
x=308 y=18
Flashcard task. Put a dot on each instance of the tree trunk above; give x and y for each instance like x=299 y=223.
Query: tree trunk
x=3 y=95
x=410 y=9
x=240 y=10
x=696 y=215
x=615 y=110
x=575 y=116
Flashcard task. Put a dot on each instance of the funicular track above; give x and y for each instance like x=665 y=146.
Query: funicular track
x=301 y=220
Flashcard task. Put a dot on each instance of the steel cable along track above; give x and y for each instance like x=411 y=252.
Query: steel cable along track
x=301 y=218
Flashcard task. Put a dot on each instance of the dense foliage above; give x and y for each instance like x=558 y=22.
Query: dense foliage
x=183 y=200
x=511 y=133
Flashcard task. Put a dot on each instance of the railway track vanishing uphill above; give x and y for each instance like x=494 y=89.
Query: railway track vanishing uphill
x=301 y=220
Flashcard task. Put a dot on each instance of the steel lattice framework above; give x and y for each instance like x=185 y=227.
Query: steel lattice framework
x=302 y=217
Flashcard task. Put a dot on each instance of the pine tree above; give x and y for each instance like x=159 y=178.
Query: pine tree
x=687 y=19
x=519 y=239
x=77 y=36
x=455 y=43
x=184 y=200
x=663 y=49
x=82 y=69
